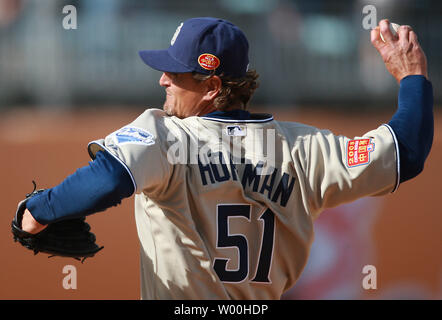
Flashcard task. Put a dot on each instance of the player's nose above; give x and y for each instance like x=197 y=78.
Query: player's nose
x=164 y=80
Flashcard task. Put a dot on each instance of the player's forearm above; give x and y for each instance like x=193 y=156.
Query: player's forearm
x=101 y=185
x=413 y=124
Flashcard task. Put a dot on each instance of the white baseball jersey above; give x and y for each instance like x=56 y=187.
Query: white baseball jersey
x=225 y=208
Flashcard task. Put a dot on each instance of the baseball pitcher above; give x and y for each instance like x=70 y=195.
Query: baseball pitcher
x=225 y=199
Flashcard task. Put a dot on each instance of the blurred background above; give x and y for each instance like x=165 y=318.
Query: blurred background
x=61 y=88
x=306 y=52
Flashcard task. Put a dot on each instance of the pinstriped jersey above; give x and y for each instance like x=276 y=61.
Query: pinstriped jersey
x=224 y=207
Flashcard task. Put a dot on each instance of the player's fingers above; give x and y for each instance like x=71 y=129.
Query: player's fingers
x=413 y=38
x=384 y=26
x=403 y=33
x=375 y=37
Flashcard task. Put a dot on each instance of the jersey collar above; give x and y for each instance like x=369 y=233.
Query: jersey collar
x=237 y=115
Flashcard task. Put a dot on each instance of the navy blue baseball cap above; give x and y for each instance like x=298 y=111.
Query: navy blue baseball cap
x=204 y=45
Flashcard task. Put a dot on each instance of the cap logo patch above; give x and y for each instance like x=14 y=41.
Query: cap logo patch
x=358 y=152
x=175 y=35
x=208 y=61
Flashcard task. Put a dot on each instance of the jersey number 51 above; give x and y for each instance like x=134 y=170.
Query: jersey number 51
x=226 y=240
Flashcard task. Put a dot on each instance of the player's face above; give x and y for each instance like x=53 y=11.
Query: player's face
x=185 y=96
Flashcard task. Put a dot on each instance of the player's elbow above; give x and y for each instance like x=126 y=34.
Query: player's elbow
x=413 y=171
x=115 y=179
x=412 y=165
x=112 y=192
x=119 y=185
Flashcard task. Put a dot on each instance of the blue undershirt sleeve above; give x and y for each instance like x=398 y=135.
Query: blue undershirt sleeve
x=413 y=124
x=93 y=188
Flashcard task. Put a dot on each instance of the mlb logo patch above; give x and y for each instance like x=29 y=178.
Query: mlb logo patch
x=134 y=135
x=236 y=131
x=358 y=152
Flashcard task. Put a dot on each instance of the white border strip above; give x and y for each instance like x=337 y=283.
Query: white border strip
x=118 y=159
x=398 y=161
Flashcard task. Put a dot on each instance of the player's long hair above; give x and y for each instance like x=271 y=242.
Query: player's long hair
x=235 y=91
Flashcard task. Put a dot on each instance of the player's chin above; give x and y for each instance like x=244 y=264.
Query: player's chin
x=168 y=110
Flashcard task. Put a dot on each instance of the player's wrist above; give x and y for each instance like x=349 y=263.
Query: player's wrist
x=413 y=78
x=409 y=74
x=30 y=225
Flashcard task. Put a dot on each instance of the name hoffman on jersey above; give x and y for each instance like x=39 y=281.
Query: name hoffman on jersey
x=222 y=159
x=252 y=177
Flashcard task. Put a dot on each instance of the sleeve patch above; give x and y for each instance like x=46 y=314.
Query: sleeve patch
x=133 y=135
x=358 y=152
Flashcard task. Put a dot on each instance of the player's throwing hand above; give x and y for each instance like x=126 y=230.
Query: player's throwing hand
x=402 y=54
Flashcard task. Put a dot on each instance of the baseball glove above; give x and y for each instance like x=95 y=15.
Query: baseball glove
x=66 y=238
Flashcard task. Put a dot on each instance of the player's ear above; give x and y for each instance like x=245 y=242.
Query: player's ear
x=213 y=87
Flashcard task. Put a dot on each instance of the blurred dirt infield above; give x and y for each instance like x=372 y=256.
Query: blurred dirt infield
x=46 y=147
